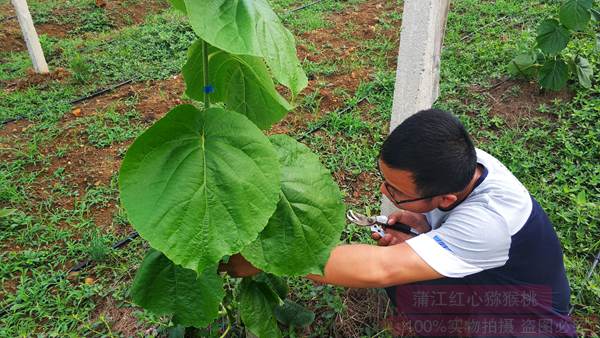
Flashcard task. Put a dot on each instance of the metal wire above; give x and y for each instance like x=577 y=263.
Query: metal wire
x=587 y=279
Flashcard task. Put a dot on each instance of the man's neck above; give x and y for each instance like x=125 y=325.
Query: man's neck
x=461 y=196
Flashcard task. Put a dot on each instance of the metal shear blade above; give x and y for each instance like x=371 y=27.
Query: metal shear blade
x=363 y=220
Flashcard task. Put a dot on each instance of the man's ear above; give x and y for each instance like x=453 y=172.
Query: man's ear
x=447 y=200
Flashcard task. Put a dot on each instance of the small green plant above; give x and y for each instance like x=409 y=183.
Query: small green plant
x=548 y=62
x=80 y=68
x=5 y=212
x=97 y=249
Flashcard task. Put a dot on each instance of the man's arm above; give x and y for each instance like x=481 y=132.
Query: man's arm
x=369 y=266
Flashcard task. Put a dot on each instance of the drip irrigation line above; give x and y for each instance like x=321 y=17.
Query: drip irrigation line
x=502 y=18
x=299 y=8
x=470 y=35
x=78 y=100
x=83 y=264
x=324 y=120
x=8 y=18
x=101 y=91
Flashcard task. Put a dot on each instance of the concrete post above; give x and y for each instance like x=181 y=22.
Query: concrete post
x=30 y=36
x=418 y=70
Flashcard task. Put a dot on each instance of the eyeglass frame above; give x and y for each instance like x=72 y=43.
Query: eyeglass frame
x=387 y=188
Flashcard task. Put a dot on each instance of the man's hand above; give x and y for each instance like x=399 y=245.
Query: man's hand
x=393 y=237
x=238 y=266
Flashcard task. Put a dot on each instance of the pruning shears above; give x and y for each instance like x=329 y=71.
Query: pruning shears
x=379 y=223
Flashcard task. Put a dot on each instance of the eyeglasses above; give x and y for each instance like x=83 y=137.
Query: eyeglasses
x=391 y=190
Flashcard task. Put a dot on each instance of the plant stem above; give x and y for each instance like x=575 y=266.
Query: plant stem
x=205 y=73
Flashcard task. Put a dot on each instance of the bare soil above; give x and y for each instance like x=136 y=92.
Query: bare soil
x=35 y=79
x=519 y=100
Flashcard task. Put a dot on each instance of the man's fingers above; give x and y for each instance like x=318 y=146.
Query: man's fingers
x=375 y=236
x=386 y=240
x=395 y=217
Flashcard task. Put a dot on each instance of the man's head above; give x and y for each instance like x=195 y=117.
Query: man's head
x=429 y=155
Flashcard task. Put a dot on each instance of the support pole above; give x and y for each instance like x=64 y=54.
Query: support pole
x=30 y=36
x=418 y=70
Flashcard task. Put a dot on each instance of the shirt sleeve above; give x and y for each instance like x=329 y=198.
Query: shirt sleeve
x=472 y=239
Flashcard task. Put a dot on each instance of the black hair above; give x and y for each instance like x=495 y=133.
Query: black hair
x=435 y=148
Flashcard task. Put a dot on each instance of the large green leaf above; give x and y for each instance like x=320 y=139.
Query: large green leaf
x=168 y=289
x=276 y=283
x=242 y=82
x=293 y=314
x=249 y=27
x=309 y=217
x=554 y=74
x=257 y=302
x=584 y=71
x=552 y=37
x=523 y=65
x=575 y=14
x=199 y=185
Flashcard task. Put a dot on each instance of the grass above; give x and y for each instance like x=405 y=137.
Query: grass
x=554 y=152
x=153 y=50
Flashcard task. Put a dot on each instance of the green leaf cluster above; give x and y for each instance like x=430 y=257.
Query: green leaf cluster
x=548 y=62
x=205 y=182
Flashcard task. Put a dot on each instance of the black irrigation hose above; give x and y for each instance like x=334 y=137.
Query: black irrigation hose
x=325 y=119
x=78 y=100
x=302 y=7
x=102 y=91
x=83 y=264
x=8 y=18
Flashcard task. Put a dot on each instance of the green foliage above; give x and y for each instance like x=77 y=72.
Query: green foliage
x=201 y=185
x=165 y=288
x=553 y=37
x=193 y=176
x=241 y=82
x=5 y=212
x=80 y=69
x=257 y=303
x=575 y=14
x=111 y=126
x=289 y=244
x=179 y=5
x=249 y=27
x=554 y=74
x=584 y=71
x=523 y=64
x=278 y=284
x=293 y=314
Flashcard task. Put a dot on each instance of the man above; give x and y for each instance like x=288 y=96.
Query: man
x=481 y=231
